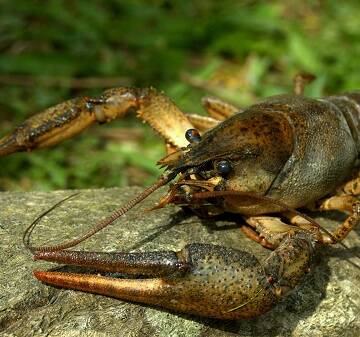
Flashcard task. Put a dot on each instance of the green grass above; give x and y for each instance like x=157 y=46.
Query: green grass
x=239 y=50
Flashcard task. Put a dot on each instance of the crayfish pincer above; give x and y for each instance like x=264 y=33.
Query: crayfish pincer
x=262 y=163
x=201 y=279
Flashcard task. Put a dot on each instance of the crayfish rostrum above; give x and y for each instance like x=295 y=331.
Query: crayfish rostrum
x=262 y=163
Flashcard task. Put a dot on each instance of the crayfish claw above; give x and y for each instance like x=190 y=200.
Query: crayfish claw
x=200 y=279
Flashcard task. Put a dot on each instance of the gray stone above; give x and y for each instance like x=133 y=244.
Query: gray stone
x=326 y=303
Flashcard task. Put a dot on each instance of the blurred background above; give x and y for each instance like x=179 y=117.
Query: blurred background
x=240 y=51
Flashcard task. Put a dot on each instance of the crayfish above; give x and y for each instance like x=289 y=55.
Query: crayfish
x=262 y=163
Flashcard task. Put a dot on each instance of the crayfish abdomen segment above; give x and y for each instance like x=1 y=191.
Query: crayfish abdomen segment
x=349 y=105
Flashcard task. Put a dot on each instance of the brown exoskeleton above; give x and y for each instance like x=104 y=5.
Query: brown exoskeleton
x=274 y=157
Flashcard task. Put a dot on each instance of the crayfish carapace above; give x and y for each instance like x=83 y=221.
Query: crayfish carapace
x=285 y=153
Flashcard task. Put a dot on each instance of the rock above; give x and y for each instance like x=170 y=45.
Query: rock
x=327 y=302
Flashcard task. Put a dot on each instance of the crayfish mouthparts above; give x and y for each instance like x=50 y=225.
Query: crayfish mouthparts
x=201 y=279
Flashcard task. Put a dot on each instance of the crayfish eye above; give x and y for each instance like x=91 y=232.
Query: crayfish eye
x=223 y=167
x=192 y=136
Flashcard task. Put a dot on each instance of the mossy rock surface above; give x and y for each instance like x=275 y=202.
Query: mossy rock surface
x=326 y=303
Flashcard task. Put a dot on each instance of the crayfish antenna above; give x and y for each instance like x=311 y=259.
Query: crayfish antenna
x=30 y=228
x=163 y=180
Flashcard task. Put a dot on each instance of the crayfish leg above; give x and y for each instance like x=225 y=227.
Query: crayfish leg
x=69 y=118
x=218 y=109
x=202 y=123
x=342 y=203
x=300 y=82
x=269 y=231
x=352 y=187
x=155 y=108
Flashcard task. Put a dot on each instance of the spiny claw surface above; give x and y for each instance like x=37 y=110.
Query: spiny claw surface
x=71 y=117
x=49 y=127
x=153 y=107
x=201 y=279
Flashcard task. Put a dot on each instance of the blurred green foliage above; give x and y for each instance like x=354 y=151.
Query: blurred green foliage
x=239 y=50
